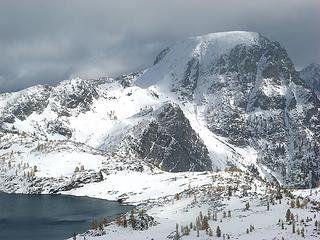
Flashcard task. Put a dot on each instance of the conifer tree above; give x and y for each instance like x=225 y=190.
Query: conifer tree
x=247 y=206
x=177 y=196
x=100 y=226
x=132 y=219
x=229 y=191
x=215 y=218
x=177 y=236
x=186 y=230
x=205 y=224
x=125 y=222
x=218 y=231
x=105 y=221
x=94 y=224
x=288 y=215
x=119 y=221
x=251 y=228
x=293 y=227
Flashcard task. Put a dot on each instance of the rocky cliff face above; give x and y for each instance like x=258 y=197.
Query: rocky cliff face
x=170 y=143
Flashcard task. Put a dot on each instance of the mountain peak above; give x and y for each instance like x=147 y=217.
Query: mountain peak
x=232 y=37
x=184 y=64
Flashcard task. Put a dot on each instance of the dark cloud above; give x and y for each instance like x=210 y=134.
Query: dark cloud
x=47 y=41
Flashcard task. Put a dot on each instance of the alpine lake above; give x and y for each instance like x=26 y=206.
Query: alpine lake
x=52 y=217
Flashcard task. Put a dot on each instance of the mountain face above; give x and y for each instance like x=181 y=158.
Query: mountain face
x=250 y=94
x=208 y=102
x=311 y=76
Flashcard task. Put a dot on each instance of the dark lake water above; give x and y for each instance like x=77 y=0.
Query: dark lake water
x=48 y=217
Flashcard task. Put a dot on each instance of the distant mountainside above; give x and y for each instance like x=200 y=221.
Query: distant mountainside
x=311 y=76
x=211 y=102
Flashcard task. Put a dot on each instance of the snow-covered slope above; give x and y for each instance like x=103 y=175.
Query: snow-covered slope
x=193 y=205
x=102 y=125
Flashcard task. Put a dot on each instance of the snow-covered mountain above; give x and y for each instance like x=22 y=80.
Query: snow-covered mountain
x=246 y=90
x=210 y=102
x=311 y=76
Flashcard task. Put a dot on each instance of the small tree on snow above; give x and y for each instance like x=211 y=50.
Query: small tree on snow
x=288 y=215
x=125 y=222
x=292 y=204
x=132 y=219
x=293 y=227
x=218 y=231
x=229 y=213
x=224 y=214
x=177 y=236
x=101 y=226
x=247 y=206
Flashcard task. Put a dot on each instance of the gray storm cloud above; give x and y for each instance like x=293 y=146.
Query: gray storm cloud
x=48 y=41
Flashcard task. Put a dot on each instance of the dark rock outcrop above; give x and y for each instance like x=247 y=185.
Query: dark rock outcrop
x=170 y=143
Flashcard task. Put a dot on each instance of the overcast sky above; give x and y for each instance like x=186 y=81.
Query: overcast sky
x=45 y=41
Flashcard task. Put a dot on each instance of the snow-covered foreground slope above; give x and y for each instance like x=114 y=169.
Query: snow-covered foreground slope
x=176 y=200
